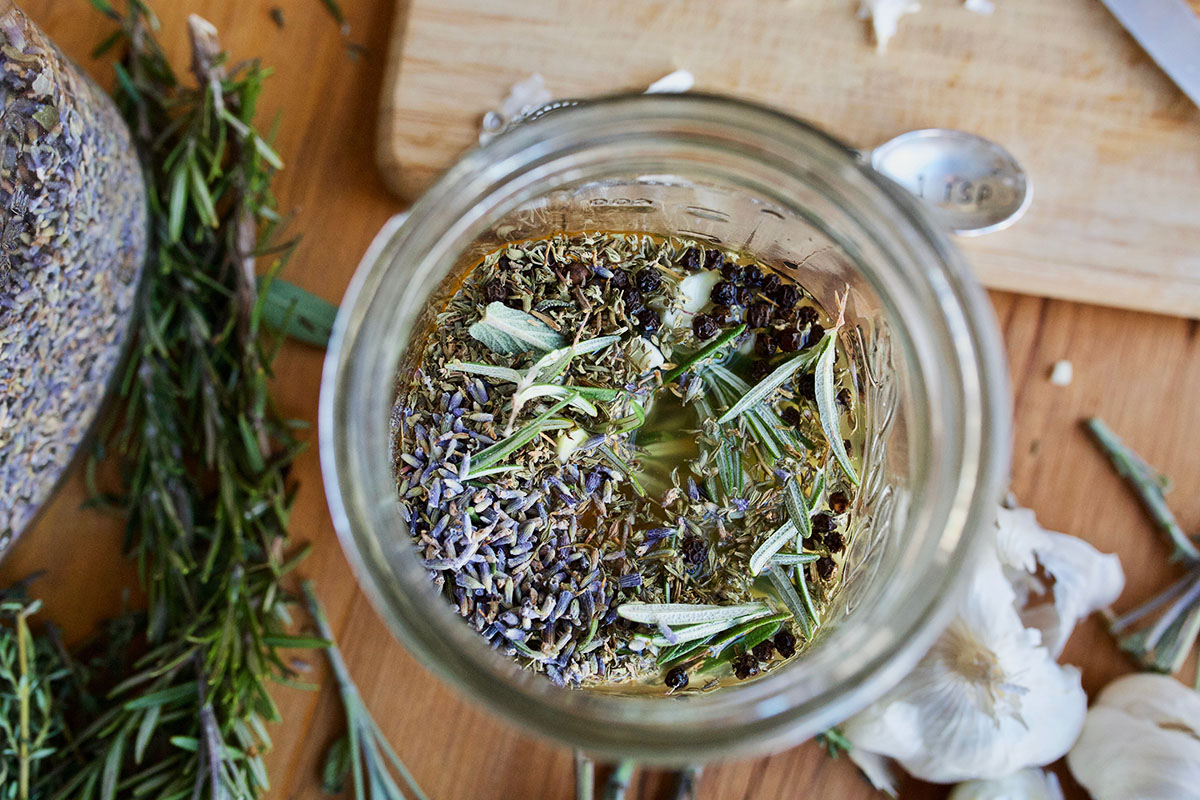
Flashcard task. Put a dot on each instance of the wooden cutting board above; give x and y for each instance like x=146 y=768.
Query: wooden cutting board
x=1112 y=146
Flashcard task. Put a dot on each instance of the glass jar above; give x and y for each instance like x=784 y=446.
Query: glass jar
x=926 y=352
x=73 y=231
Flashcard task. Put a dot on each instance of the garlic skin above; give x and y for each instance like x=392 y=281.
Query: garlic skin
x=885 y=17
x=1028 y=784
x=1141 y=740
x=988 y=699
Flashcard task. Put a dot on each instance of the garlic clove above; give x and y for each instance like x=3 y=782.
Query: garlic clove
x=1084 y=578
x=1028 y=784
x=1159 y=698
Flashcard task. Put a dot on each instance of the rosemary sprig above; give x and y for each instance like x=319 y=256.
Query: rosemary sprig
x=1159 y=641
x=703 y=354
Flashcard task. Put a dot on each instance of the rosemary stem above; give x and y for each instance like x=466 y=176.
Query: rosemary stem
x=1135 y=472
x=585 y=777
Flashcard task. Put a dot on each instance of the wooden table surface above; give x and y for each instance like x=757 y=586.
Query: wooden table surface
x=1139 y=372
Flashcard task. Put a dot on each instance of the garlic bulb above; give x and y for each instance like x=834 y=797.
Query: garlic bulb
x=1028 y=784
x=988 y=699
x=1141 y=740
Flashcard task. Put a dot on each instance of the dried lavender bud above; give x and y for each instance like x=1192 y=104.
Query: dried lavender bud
x=764 y=344
x=845 y=399
x=648 y=321
x=704 y=327
x=648 y=280
x=815 y=334
x=835 y=542
x=724 y=294
x=494 y=291
x=789 y=340
x=758 y=315
x=578 y=274
x=791 y=415
x=759 y=370
x=807 y=315
x=745 y=666
x=825 y=567
x=694 y=549
x=771 y=284
x=822 y=523
x=785 y=643
x=676 y=678
x=786 y=296
x=620 y=279
x=839 y=502
x=764 y=650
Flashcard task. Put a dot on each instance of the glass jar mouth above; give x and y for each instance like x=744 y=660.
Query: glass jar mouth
x=956 y=351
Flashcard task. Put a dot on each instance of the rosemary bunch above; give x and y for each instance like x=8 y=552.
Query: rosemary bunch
x=202 y=453
x=1163 y=631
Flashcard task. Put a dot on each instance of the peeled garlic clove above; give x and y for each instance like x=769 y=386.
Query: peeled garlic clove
x=1141 y=740
x=1084 y=578
x=1028 y=784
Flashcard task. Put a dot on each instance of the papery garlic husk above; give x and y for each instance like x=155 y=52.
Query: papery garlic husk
x=986 y=701
x=1028 y=784
x=885 y=17
x=1141 y=740
x=1084 y=578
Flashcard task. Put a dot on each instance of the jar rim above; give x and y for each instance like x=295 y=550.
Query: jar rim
x=617 y=725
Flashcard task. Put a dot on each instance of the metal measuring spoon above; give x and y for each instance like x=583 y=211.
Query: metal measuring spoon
x=973 y=186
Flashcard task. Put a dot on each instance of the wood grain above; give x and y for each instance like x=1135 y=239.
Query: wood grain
x=1140 y=372
x=1111 y=145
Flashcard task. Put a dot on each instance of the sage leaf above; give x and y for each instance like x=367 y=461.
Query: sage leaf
x=771 y=546
x=509 y=331
x=684 y=613
x=777 y=378
x=827 y=405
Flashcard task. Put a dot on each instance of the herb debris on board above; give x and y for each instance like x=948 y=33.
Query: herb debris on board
x=613 y=457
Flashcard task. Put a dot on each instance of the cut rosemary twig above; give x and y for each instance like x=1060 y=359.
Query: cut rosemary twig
x=1159 y=643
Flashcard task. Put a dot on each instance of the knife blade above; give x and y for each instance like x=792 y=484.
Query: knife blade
x=1170 y=32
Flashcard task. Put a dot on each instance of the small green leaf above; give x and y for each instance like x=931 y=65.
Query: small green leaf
x=827 y=404
x=162 y=697
x=684 y=613
x=486 y=370
x=791 y=559
x=555 y=363
x=176 y=204
x=777 y=378
x=337 y=766
x=526 y=434
x=771 y=546
x=296 y=312
x=787 y=595
x=509 y=331
x=704 y=353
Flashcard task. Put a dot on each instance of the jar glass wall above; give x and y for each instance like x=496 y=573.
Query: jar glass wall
x=926 y=357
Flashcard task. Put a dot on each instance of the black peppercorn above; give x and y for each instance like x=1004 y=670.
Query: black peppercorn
x=745 y=666
x=752 y=276
x=503 y=263
x=633 y=300
x=694 y=549
x=815 y=334
x=724 y=294
x=845 y=399
x=825 y=567
x=714 y=259
x=731 y=271
x=578 y=274
x=835 y=542
x=764 y=344
x=764 y=650
x=760 y=370
x=721 y=314
x=789 y=340
x=771 y=284
x=704 y=327
x=620 y=279
x=786 y=296
x=785 y=643
x=806 y=386
x=744 y=296
x=676 y=678
x=822 y=523
x=758 y=315
x=693 y=260
x=648 y=320
x=807 y=315
x=494 y=291
x=839 y=502
x=791 y=415
x=648 y=280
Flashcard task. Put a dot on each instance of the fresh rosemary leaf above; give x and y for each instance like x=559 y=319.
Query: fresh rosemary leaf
x=773 y=543
x=757 y=632
x=706 y=629
x=779 y=376
x=729 y=467
x=827 y=404
x=574 y=398
x=487 y=370
x=684 y=613
x=510 y=331
x=806 y=596
x=295 y=312
x=526 y=434
x=791 y=559
x=337 y=766
x=555 y=363
x=787 y=595
x=703 y=354
x=797 y=507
